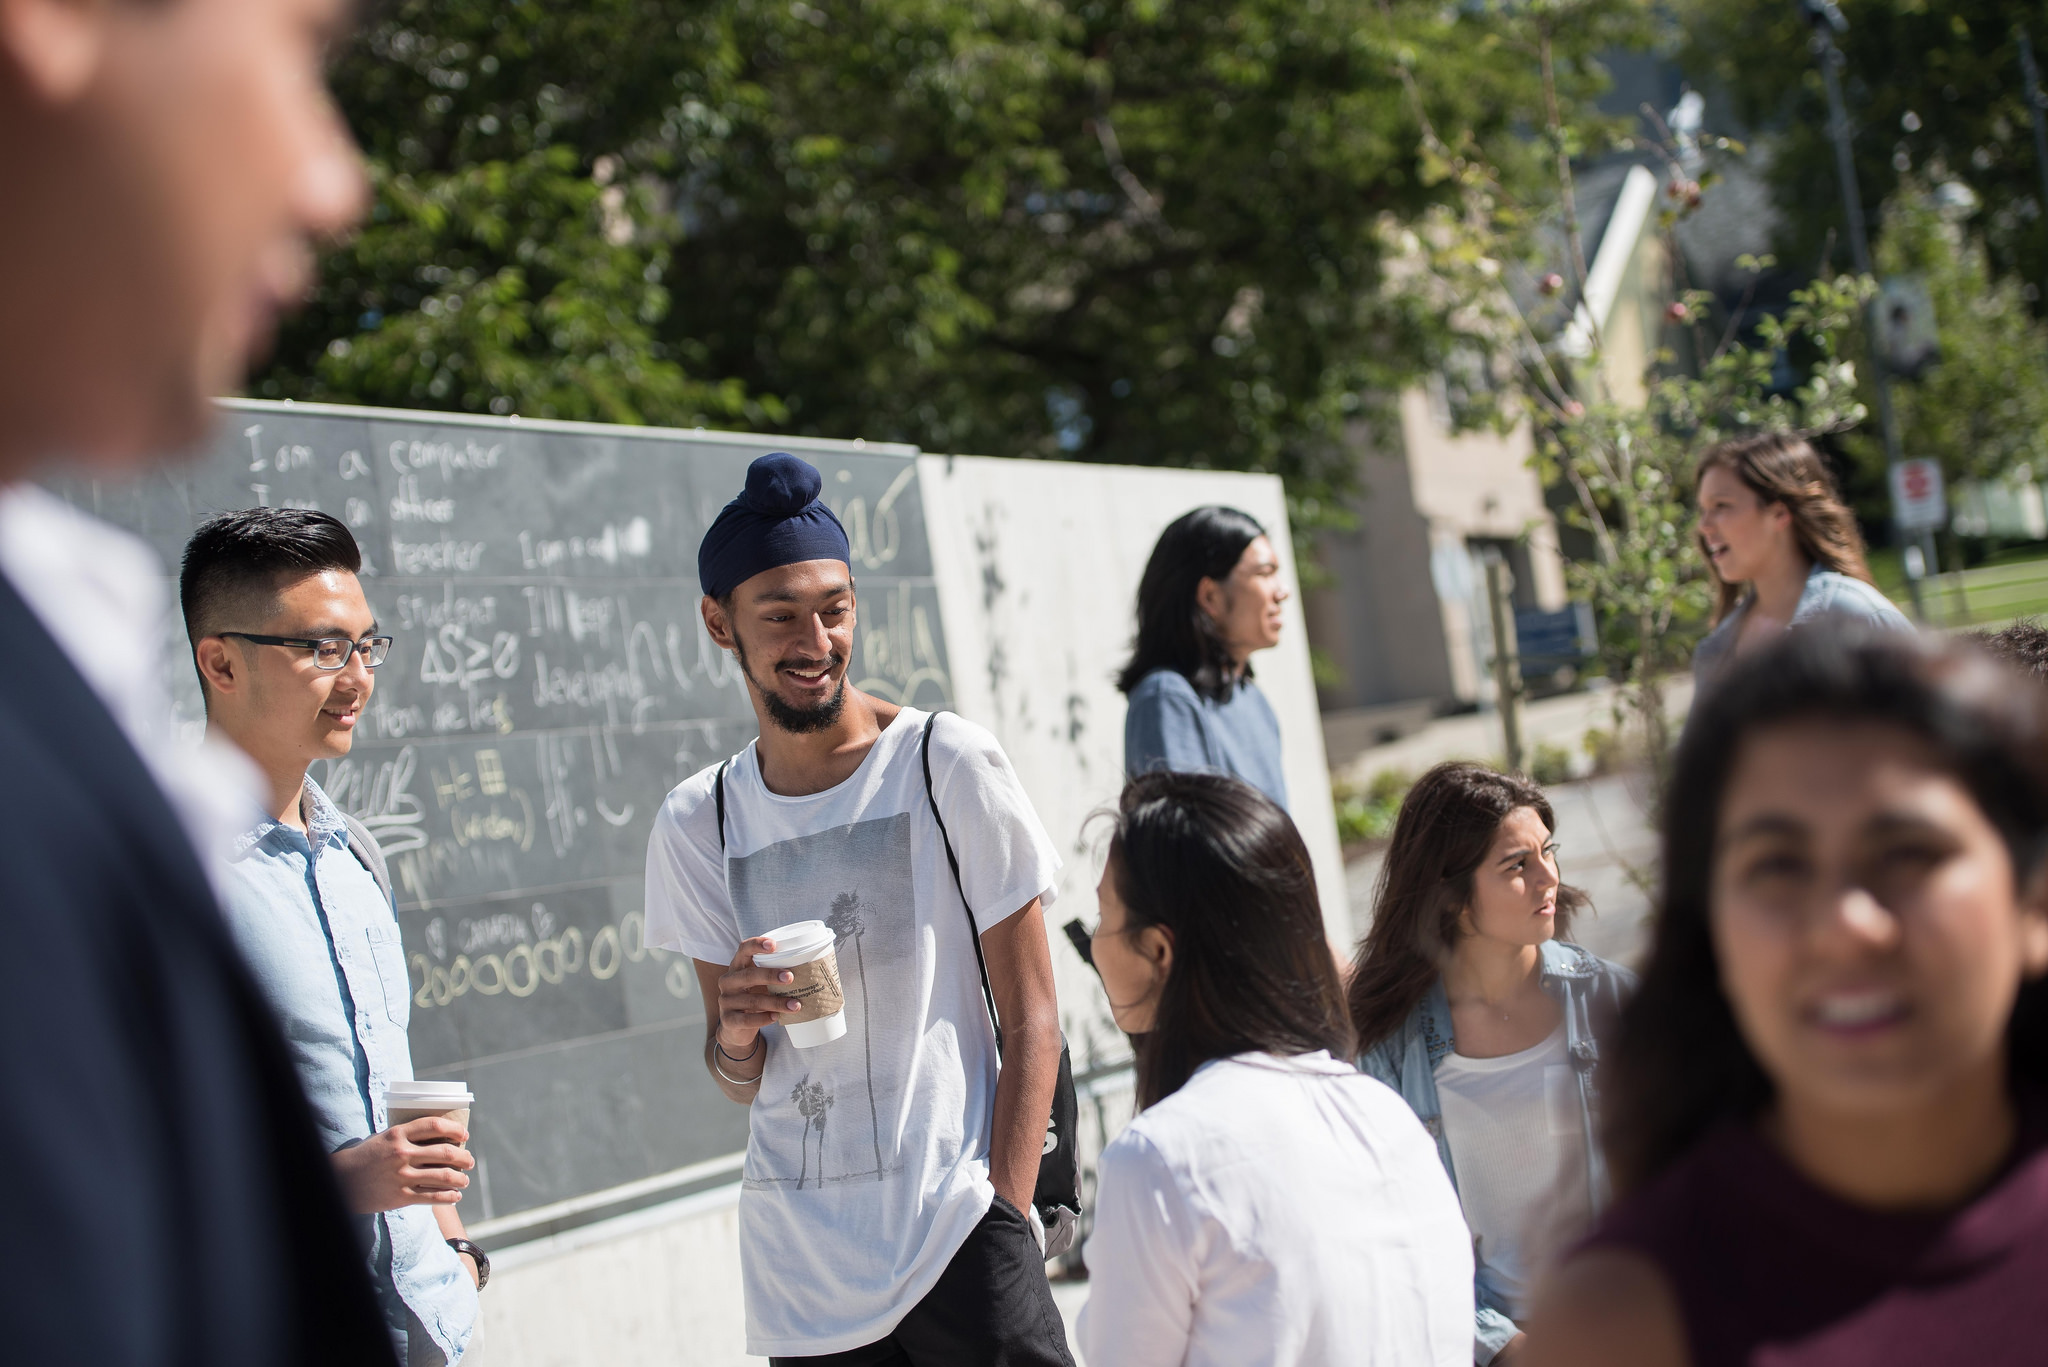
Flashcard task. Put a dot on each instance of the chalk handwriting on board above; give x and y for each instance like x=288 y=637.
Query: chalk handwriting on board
x=875 y=537
x=551 y=681
x=466 y=456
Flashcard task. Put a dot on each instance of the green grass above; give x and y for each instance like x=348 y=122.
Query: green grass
x=2012 y=585
x=1890 y=574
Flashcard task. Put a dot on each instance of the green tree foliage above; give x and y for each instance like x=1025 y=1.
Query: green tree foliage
x=1932 y=86
x=507 y=266
x=1152 y=231
x=1982 y=409
x=1628 y=460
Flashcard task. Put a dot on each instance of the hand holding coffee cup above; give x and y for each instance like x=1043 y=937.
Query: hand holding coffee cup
x=806 y=950
x=419 y=1163
x=788 y=977
x=750 y=997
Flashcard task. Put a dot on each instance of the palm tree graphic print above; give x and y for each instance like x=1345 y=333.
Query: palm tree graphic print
x=847 y=923
x=861 y=882
x=812 y=1100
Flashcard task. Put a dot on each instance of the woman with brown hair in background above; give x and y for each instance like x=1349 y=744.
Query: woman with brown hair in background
x=1469 y=1002
x=1782 y=545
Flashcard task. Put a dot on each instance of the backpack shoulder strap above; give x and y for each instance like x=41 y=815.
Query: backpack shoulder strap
x=364 y=847
x=718 y=794
x=988 y=995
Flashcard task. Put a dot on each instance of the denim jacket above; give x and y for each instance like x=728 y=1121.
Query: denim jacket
x=1590 y=990
x=1827 y=593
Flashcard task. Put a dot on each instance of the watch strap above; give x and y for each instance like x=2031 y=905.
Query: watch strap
x=483 y=1260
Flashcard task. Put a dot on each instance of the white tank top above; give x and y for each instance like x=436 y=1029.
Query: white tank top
x=1518 y=1148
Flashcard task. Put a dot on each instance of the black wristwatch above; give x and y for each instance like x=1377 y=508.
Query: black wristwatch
x=483 y=1260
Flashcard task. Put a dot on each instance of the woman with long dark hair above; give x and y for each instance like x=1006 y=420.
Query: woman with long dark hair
x=1470 y=1002
x=1783 y=547
x=1210 y=598
x=1269 y=1207
x=1826 y=1108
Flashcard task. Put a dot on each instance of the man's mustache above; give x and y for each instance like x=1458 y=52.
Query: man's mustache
x=830 y=662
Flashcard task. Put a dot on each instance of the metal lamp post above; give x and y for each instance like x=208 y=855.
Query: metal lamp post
x=1826 y=20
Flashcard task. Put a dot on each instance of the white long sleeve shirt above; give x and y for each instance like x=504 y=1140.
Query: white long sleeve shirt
x=1273 y=1212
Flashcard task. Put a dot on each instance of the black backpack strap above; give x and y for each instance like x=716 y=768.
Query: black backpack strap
x=973 y=931
x=718 y=792
x=364 y=847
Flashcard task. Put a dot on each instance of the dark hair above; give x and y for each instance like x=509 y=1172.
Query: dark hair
x=1445 y=826
x=1219 y=865
x=1779 y=467
x=1679 y=1065
x=236 y=564
x=2023 y=645
x=1173 y=631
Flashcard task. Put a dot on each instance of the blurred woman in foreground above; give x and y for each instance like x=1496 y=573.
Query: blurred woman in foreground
x=1470 y=1002
x=1826 y=1113
x=1270 y=1206
x=1783 y=546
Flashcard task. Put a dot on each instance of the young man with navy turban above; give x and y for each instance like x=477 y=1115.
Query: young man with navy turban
x=889 y=1171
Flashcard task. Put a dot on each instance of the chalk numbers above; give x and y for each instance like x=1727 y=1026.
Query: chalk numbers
x=537 y=962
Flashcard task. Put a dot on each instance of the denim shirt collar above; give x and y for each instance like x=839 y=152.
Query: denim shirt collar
x=324 y=823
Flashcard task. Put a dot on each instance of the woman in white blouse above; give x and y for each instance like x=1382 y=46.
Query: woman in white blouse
x=1270 y=1205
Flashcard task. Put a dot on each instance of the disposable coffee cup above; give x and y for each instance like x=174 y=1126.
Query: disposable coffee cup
x=805 y=949
x=409 y=1101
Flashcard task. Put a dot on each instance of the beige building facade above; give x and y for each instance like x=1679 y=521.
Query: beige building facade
x=1402 y=622
x=1403 y=618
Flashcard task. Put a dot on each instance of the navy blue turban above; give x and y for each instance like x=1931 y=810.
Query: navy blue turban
x=778 y=521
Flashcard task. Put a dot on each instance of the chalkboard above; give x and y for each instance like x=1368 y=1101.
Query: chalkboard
x=550 y=682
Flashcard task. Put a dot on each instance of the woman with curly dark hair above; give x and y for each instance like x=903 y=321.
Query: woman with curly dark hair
x=1471 y=1003
x=1825 y=1110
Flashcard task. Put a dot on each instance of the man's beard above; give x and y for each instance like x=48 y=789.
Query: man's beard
x=795 y=720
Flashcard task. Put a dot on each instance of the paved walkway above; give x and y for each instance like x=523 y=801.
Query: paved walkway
x=1561 y=721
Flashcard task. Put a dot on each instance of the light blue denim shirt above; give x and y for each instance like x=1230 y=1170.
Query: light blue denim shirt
x=323 y=942
x=1827 y=594
x=1591 y=992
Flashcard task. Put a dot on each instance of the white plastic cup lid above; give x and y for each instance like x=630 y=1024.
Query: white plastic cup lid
x=430 y=1093
x=799 y=942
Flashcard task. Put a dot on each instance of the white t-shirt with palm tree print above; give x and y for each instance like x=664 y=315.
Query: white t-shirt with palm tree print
x=867 y=1158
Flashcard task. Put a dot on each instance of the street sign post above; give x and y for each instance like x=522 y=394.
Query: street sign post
x=1919 y=502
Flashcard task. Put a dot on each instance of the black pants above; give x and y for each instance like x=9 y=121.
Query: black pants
x=991 y=1307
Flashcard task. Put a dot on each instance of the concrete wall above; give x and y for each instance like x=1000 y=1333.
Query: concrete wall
x=661 y=1286
x=1038 y=566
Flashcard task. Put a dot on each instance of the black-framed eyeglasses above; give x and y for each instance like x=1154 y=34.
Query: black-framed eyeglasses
x=329 y=652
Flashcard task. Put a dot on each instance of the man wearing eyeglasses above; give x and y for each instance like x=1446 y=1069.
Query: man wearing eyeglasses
x=286 y=645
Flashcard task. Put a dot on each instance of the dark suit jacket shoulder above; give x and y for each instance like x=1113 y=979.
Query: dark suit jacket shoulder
x=168 y=1199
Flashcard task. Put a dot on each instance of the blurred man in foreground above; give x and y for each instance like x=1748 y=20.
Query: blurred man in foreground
x=167 y=163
